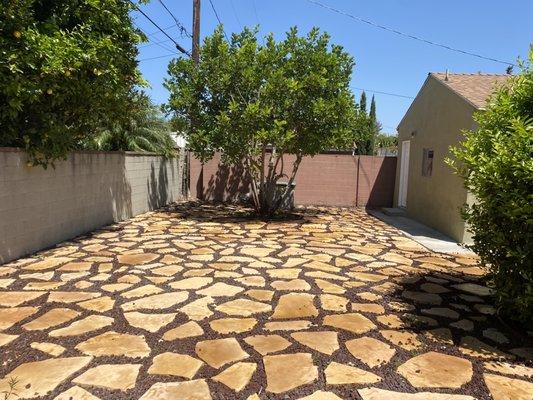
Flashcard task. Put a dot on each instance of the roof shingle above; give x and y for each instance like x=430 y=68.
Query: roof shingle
x=475 y=88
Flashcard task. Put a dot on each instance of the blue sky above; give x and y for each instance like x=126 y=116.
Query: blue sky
x=384 y=61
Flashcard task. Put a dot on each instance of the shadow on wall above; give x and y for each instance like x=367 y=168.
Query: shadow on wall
x=120 y=194
x=157 y=186
x=226 y=185
x=376 y=181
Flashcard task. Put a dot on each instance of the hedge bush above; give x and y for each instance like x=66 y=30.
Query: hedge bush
x=496 y=162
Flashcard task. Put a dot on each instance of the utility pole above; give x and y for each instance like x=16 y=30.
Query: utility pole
x=196 y=31
x=196 y=60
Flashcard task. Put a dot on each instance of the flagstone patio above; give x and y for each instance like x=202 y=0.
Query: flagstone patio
x=203 y=302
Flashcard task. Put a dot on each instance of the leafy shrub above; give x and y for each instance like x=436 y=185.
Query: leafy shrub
x=496 y=161
x=67 y=70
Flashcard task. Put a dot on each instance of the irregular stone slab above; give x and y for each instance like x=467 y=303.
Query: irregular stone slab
x=503 y=388
x=198 y=309
x=233 y=325
x=352 y=322
x=260 y=294
x=110 y=376
x=406 y=340
x=464 y=324
x=440 y=335
x=189 y=329
x=475 y=289
x=47 y=263
x=243 y=307
x=266 y=344
x=219 y=352
x=341 y=374
x=156 y=302
x=43 y=286
x=76 y=267
x=10 y=316
x=220 y=289
x=237 y=376
x=381 y=394
x=71 y=297
x=115 y=344
x=295 y=305
x=371 y=308
x=321 y=395
x=434 y=288
x=370 y=351
x=252 y=281
x=14 y=299
x=100 y=304
x=287 y=326
x=76 y=393
x=331 y=302
x=135 y=259
x=175 y=364
x=141 y=291
x=476 y=348
x=285 y=273
x=196 y=282
x=89 y=324
x=38 y=378
x=422 y=298
x=509 y=368
x=495 y=335
x=324 y=341
x=54 y=317
x=328 y=287
x=116 y=287
x=190 y=390
x=285 y=372
x=6 y=339
x=436 y=370
x=150 y=322
x=441 y=312
x=52 y=349
x=168 y=270
x=292 y=285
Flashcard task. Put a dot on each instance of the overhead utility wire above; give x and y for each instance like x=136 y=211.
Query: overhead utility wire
x=407 y=35
x=182 y=29
x=219 y=20
x=181 y=49
x=385 y=93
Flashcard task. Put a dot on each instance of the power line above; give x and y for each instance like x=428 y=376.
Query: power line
x=385 y=93
x=157 y=57
x=182 y=29
x=219 y=20
x=235 y=13
x=181 y=49
x=407 y=35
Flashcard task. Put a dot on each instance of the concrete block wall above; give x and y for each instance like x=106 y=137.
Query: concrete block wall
x=42 y=207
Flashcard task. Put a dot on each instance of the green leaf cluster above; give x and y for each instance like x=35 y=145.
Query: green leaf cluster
x=68 y=70
x=496 y=161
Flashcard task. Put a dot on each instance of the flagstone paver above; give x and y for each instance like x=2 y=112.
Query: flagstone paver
x=200 y=302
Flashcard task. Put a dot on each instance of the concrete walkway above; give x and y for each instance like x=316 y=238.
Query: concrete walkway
x=428 y=237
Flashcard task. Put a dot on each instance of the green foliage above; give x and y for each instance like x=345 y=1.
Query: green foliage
x=146 y=130
x=496 y=161
x=386 y=141
x=292 y=96
x=67 y=70
x=362 y=103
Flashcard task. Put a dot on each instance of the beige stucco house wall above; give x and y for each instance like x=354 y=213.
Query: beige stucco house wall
x=443 y=108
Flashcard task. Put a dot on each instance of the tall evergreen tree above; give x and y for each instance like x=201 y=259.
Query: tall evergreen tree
x=362 y=102
x=373 y=110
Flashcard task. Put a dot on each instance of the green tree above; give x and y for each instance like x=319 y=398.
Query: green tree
x=496 y=162
x=362 y=102
x=246 y=98
x=146 y=130
x=68 y=69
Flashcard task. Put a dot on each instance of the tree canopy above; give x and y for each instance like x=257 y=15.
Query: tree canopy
x=257 y=103
x=68 y=70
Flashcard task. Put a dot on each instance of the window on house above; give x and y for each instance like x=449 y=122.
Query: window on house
x=427 y=162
